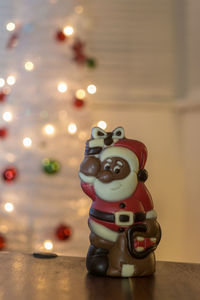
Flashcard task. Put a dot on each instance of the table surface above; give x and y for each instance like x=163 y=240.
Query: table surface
x=25 y=277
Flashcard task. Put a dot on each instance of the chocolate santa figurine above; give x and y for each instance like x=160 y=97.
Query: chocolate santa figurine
x=122 y=219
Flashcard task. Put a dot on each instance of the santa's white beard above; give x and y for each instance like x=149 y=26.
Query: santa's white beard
x=117 y=189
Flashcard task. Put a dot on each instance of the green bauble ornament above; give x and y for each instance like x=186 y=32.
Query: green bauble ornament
x=91 y=63
x=50 y=166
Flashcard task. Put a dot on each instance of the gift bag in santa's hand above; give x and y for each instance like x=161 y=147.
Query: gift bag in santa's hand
x=122 y=219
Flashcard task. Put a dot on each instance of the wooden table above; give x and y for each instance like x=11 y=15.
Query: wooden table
x=25 y=277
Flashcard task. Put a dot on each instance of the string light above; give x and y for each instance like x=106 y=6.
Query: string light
x=62 y=87
x=11 y=80
x=27 y=142
x=91 y=89
x=48 y=245
x=79 y=9
x=2 y=82
x=29 y=66
x=102 y=124
x=9 y=207
x=72 y=128
x=80 y=94
x=68 y=30
x=7 y=116
x=10 y=26
x=49 y=129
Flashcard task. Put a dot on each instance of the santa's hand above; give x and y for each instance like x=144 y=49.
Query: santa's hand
x=143 y=238
x=89 y=169
x=148 y=239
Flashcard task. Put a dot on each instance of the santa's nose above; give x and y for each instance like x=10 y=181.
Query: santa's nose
x=105 y=176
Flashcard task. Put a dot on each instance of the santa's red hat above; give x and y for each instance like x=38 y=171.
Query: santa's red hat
x=134 y=152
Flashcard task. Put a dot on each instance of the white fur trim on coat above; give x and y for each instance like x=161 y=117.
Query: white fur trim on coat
x=87 y=179
x=103 y=232
x=151 y=214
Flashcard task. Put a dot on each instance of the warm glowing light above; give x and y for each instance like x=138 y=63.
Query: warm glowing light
x=27 y=142
x=29 y=66
x=2 y=82
x=80 y=94
x=102 y=124
x=9 y=207
x=91 y=89
x=10 y=26
x=72 y=128
x=7 y=116
x=49 y=129
x=62 y=87
x=11 y=80
x=68 y=30
x=79 y=9
x=48 y=245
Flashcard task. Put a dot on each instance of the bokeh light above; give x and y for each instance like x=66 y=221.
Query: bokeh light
x=91 y=89
x=102 y=124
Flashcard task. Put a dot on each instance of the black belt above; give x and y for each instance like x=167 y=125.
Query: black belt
x=109 y=217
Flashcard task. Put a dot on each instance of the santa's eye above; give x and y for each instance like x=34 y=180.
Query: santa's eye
x=116 y=169
x=107 y=166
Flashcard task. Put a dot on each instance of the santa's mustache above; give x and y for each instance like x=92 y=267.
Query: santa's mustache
x=116 y=189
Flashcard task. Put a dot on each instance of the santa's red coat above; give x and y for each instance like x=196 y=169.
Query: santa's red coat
x=139 y=201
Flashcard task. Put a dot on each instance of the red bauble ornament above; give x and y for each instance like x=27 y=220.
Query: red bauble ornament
x=63 y=232
x=2 y=96
x=60 y=36
x=3 y=133
x=78 y=103
x=2 y=242
x=80 y=58
x=9 y=174
x=78 y=47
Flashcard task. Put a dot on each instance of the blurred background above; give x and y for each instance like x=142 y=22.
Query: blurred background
x=66 y=66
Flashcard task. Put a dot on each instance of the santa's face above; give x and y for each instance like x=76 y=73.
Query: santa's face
x=115 y=181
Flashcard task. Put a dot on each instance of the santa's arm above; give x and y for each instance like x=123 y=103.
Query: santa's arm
x=88 y=189
x=147 y=203
x=88 y=171
x=150 y=228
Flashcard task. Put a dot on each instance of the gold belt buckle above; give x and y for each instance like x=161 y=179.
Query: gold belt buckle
x=119 y=222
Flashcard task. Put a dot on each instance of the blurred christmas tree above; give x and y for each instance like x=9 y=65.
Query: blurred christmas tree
x=45 y=78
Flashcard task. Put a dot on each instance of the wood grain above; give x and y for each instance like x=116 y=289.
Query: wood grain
x=25 y=277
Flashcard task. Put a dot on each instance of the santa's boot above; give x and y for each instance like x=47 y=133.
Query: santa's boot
x=97 y=261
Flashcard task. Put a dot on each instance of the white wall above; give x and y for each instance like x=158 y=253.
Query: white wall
x=172 y=152
x=191 y=151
